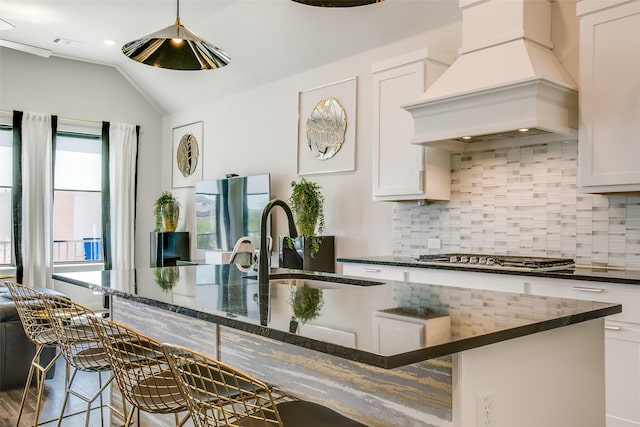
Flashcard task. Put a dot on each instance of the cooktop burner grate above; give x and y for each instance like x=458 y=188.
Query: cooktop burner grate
x=507 y=262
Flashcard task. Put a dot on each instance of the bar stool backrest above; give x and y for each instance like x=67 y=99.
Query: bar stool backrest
x=219 y=395
x=140 y=368
x=77 y=337
x=32 y=311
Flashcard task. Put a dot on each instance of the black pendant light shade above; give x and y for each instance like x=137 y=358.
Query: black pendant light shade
x=176 y=48
x=337 y=3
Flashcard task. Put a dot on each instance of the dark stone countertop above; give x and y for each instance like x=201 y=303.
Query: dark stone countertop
x=593 y=274
x=343 y=323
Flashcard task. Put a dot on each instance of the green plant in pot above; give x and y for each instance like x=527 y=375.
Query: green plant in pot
x=166 y=210
x=307 y=204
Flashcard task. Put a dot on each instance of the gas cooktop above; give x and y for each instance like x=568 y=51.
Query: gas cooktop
x=499 y=262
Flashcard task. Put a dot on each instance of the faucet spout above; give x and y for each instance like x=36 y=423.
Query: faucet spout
x=263 y=258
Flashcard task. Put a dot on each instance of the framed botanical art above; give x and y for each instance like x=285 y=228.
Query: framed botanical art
x=186 y=159
x=327 y=128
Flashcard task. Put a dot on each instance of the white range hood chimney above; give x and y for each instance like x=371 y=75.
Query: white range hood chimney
x=505 y=80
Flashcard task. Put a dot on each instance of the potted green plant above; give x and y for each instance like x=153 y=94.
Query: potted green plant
x=307 y=203
x=166 y=210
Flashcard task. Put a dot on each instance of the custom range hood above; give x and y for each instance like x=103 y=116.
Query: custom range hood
x=506 y=88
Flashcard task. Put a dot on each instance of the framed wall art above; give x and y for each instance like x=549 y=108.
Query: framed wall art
x=186 y=159
x=327 y=128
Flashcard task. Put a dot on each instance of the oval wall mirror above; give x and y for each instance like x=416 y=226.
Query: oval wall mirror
x=187 y=154
x=326 y=128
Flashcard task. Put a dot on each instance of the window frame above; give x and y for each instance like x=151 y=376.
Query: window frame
x=59 y=265
x=12 y=261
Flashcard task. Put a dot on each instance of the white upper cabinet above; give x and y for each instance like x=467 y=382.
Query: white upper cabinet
x=401 y=170
x=609 y=134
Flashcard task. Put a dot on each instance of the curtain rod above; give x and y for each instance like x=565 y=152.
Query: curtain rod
x=66 y=119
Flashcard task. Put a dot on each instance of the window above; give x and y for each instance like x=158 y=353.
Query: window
x=77 y=213
x=77 y=205
x=6 y=180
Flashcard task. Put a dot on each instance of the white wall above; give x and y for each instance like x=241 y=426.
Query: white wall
x=256 y=131
x=83 y=91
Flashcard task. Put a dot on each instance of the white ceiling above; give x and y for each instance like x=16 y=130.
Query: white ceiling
x=266 y=39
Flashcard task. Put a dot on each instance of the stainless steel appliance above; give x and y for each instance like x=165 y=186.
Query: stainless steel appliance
x=499 y=262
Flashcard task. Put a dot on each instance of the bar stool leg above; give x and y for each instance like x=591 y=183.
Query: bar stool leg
x=127 y=422
x=68 y=382
x=96 y=395
x=101 y=402
x=27 y=385
x=41 y=375
x=39 y=389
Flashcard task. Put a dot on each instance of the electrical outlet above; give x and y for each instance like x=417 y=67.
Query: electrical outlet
x=484 y=410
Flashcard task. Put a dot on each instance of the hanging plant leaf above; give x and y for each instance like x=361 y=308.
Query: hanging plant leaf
x=307 y=203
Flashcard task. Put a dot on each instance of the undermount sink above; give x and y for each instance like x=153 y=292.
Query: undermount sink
x=316 y=280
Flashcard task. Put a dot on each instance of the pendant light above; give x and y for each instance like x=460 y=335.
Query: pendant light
x=176 y=48
x=337 y=3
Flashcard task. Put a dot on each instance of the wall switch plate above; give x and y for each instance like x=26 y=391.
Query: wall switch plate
x=484 y=410
x=434 y=244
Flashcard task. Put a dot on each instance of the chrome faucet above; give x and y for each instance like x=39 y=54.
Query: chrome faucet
x=263 y=257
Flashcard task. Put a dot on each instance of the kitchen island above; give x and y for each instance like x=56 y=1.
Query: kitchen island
x=388 y=353
x=622 y=330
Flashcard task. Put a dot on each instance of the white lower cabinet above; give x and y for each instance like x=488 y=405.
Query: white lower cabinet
x=466 y=279
x=622 y=360
x=627 y=295
x=462 y=279
x=622 y=331
x=373 y=271
x=622 y=342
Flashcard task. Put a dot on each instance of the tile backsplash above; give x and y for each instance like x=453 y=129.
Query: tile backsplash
x=523 y=201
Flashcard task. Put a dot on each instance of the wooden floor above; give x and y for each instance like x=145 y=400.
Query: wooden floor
x=87 y=383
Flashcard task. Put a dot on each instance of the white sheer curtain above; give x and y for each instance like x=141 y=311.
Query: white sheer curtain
x=122 y=179
x=37 y=203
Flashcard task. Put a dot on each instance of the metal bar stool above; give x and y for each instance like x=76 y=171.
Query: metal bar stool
x=37 y=327
x=81 y=347
x=216 y=397
x=141 y=371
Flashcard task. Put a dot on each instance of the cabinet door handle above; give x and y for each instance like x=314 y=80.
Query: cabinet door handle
x=586 y=289
x=613 y=328
x=372 y=270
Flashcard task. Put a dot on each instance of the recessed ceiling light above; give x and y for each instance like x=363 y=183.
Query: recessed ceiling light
x=523 y=130
x=4 y=25
x=466 y=137
x=110 y=42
